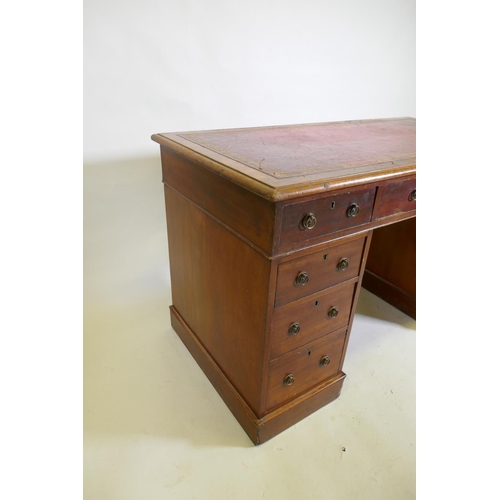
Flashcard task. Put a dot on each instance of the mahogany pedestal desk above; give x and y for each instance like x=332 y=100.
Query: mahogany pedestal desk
x=268 y=232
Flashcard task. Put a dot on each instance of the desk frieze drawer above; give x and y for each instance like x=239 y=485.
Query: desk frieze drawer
x=319 y=270
x=302 y=369
x=307 y=319
x=395 y=197
x=313 y=218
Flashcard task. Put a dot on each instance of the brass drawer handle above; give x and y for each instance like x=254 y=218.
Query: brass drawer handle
x=294 y=329
x=325 y=360
x=289 y=379
x=309 y=221
x=302 y=278
x=343 y=264
x=353 y=210
x=413 y=196
x=333 y=312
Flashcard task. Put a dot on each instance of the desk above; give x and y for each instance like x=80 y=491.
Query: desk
x=269 y=231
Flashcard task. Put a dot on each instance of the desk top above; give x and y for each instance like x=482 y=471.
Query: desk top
x=297 y=160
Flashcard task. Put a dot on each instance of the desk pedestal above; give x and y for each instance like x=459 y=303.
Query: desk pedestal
x=390 y=269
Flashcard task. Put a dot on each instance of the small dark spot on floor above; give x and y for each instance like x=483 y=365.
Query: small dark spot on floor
x=343 y=448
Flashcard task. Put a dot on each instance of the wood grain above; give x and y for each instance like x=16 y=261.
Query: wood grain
x=391 y=266
x=393 y=198
x=220 y=288
x=289 y=414
x=236 y=404
x=246 y=213
x=259 y=430
x=321 y=267
x=304 y=364
x=311 y=313
x=330 y=212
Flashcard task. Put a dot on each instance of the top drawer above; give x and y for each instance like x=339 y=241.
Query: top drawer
x=319 y=270
x=395 y=197
x=310 y=219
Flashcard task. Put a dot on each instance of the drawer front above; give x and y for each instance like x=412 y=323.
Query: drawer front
x=310 y=318
x=395 y=198
x=314 y=272
x=302 y=369
x=310 y=219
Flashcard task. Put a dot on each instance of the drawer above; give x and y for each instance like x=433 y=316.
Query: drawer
x=394 y=198
x=311 y=317
x=302 y=369
x=310 y=219
x=317 y=271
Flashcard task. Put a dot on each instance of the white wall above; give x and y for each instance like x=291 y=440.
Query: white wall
x=164 y=66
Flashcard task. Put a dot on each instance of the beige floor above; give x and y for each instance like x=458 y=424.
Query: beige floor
x=155 y=427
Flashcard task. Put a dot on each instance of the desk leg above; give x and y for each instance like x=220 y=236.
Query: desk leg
x=391 y=266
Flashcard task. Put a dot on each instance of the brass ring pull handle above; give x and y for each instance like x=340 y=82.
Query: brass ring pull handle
x=413 y=196
x=343 y=264
x=309 y=221
x=302 y=278
x=294 y=329
x=353 y=210
x=289 y=379
x=333 y=312
x=325 y=360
